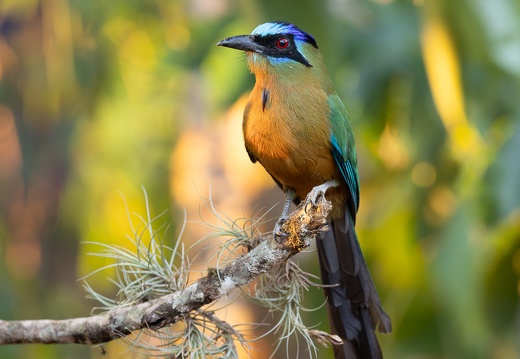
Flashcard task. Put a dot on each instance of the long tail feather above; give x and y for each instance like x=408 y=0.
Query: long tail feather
x=354 y=307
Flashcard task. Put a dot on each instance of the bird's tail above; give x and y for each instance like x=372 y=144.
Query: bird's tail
x=353 y=303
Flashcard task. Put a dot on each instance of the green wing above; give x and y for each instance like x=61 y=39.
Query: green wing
x=344 y=148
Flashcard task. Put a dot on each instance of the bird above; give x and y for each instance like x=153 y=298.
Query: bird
x=296 y=126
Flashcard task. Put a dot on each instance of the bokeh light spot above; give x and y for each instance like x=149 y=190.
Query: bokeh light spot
x=443 y=202
x=423 y=174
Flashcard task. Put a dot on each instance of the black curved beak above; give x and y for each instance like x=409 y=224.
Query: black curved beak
x=241 y=42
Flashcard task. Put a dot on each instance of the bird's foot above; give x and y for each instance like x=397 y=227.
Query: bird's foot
x=319 y=191
x=278 y=233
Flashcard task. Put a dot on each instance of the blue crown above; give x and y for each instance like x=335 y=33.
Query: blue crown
x=279 y=27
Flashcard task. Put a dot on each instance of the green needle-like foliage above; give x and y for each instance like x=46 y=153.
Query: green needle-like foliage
x=151 y=269
x=282 y=291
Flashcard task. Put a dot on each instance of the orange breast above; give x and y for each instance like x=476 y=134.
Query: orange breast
x=289 y=134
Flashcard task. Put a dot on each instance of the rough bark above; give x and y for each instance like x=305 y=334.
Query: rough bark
x=297 y=231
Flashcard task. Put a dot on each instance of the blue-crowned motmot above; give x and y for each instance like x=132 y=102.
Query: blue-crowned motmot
x=296 y=126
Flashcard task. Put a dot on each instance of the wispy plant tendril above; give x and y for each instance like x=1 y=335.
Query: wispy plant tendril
x=149 y=269
x=282 y=291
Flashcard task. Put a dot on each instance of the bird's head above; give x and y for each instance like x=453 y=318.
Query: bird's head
x=275 y=46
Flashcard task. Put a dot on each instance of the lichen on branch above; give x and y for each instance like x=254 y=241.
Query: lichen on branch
x=147 y=309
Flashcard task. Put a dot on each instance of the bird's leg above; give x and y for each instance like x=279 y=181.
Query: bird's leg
x=283 y=217
x=319 y=191
x=288 y=200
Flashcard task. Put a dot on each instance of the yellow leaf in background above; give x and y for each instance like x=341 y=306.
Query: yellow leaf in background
x=392 y=149
x=443 y=71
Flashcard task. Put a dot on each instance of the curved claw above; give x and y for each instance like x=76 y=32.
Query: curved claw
x=278 y=234
x=319 y=191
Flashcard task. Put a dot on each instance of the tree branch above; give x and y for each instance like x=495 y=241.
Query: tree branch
x=299 y=229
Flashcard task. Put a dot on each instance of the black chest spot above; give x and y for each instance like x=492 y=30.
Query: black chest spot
x=265 y=98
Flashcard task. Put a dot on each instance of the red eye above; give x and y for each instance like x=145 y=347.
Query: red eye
x=282 y=43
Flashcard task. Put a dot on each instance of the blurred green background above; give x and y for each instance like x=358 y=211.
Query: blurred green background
x=100 y=97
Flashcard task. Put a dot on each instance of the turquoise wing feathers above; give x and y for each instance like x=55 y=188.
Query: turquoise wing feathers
x=343 y=147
